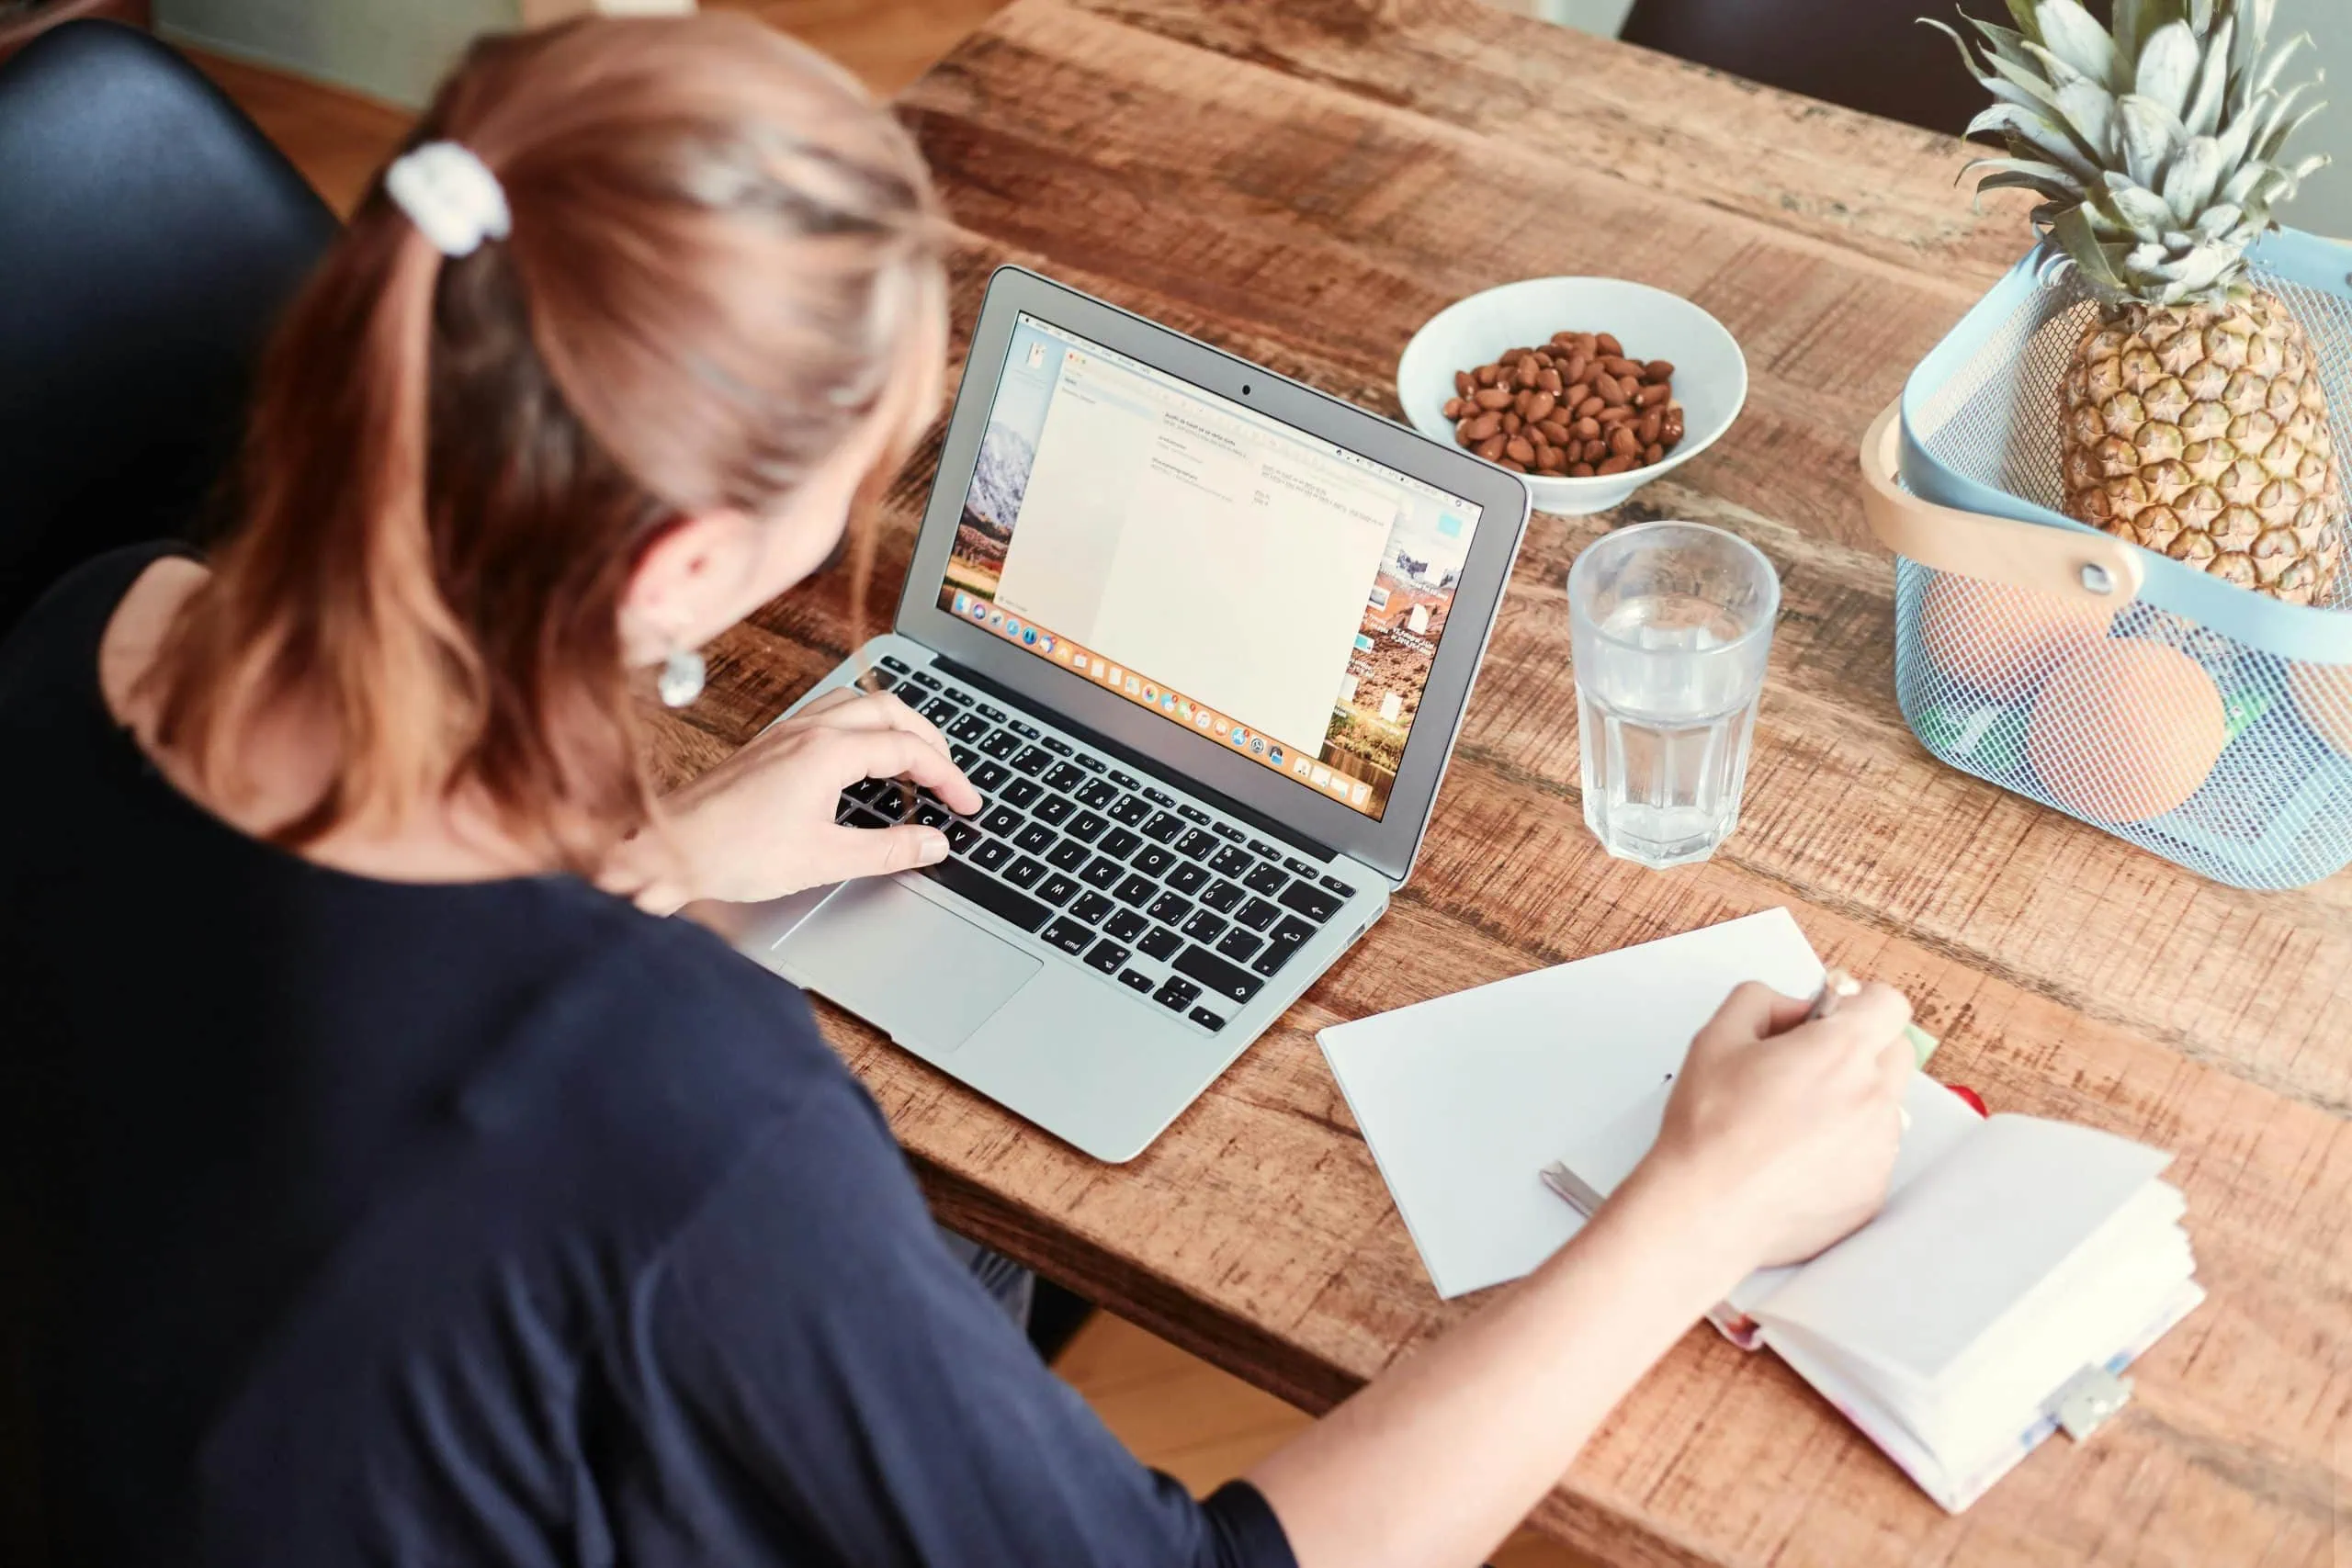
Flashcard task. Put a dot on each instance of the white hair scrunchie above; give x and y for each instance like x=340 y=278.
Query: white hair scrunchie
x=451 y=196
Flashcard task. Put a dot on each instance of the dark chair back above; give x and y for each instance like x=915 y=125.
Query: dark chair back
x=1872 y=55
x=149 y=235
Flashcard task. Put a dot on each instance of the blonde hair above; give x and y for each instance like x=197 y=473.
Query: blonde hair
x=724 y=261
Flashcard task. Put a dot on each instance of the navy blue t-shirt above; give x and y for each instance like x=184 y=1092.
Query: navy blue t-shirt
x=356 y=1222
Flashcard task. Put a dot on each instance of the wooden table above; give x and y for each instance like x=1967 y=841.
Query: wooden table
x=1304 y=182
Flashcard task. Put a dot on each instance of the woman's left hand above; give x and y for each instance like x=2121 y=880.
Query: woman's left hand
x=760 y=825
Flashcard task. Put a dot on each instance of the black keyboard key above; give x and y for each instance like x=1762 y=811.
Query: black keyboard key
x=1100 y=794
x=939 y=710
x=1193 y=814
x=1230 y=861
x=1225 y=895
x=1159 y=941
x=1107 y=956
x=960 y=698
x=1239 y=945
x=1228 y=831
x=1091 y=764
x=1341 y=889
x=1232 y=983
x=925 y=678
x=1091 y=906
x=1056 y=890
x=963 y=757
x=1265 y=878
x=1003 y=821
x=1273 y=958
x=1053 y=808
x=1188 y=877
x=987 y=776
x=1311 y=901
x=1068 y=855
x=1126 y=925
x=867 y=791
x=1004 y=743
x=990 y=855
x=1266 y=849
x=1135 y=890
x=1301 y=867
x=931 y=814
x=1152 y=861
x=1068 y=935
x=1103 y=872
x=1204 y=927
x=844 y=808
x=1123 y=782
x=1195 y=843
x=1206 y=1019
x=1176 y=994
x=962 y=836
x=1171 y=907
x=867 y=816
x=896 y=803
x=1131 y=810
x=1136 y=981
x=892 y=662
x=1064 y=777
x=1023 y=872
x=1119 y=843
x=1037 y=838
x=1158 y=797
x=1032 y=761
x=1163 y=828
x=1058 y=747
x=1024 y=792
x=1027 y=731
x=971 y=727
x=1017 y=908
x=1086 y=827
x=987 y=712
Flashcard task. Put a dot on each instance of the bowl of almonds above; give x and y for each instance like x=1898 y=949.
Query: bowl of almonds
x=1589 y=387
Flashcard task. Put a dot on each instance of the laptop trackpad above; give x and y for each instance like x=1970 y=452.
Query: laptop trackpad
x=924 y=976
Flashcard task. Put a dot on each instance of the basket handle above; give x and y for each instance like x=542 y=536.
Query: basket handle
x=1998 y=549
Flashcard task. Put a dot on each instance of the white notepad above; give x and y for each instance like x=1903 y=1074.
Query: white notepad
x=2018 y=1265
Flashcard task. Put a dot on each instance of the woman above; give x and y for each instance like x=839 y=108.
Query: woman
x=403 y=1186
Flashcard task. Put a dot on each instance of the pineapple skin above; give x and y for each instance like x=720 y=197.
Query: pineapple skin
x=2201 y=431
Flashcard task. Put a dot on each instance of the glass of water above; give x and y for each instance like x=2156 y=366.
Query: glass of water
x=1671 y=624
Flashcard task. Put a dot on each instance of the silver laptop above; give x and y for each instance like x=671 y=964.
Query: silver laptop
x=1202 y=637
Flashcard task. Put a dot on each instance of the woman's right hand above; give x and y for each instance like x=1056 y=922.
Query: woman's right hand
x=1787 y=1130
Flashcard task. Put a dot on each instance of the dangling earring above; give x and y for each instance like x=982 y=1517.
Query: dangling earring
x=682 y=676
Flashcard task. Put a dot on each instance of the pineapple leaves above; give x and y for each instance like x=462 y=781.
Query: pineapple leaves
x=2146 y=131
x=2029 y=133
x=2203 y=116
x=2189 y=182
x=2166 y=71
x=2046 y=180
x=2074 y=36
x=2137 y=209
x=2071 y=230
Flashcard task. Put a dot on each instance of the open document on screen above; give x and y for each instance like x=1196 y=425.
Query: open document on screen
x=1273 y=592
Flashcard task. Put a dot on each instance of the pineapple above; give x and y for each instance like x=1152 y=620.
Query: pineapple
x=2191 y=416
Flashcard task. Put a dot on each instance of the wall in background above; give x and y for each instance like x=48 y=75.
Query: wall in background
x=391 y=50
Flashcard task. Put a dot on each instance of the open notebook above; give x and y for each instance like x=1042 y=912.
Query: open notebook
x=2018 y=1265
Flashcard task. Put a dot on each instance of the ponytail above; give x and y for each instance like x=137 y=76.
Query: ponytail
x=722 y=260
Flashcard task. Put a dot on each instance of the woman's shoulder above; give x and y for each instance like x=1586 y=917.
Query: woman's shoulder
x=56 y=646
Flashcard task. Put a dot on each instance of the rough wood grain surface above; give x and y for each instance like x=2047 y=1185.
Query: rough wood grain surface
x=1304 y=182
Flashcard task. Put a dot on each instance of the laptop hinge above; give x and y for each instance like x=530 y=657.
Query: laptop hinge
x=1128 y=754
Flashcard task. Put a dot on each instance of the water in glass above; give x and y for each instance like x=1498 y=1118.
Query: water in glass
x=1671 y=624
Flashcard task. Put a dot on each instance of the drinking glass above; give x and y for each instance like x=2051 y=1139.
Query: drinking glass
x=1671 y=624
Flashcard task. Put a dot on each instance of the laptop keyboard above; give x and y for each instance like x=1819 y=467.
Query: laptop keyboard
x=1159 y=896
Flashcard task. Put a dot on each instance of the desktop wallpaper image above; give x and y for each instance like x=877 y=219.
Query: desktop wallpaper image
x=1405 y=614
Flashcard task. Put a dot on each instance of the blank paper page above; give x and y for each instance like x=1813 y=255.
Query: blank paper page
x=1463 y=1099
x=1914 y=1289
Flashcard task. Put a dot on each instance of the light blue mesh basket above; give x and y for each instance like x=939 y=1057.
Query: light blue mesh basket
x=2010 y=670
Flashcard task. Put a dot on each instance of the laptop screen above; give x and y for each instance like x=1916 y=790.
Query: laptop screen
x=1279 y=594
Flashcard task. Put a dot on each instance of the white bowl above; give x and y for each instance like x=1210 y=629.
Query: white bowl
x=1710 y=374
